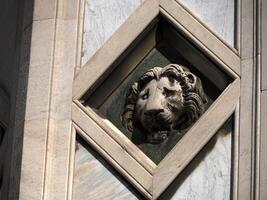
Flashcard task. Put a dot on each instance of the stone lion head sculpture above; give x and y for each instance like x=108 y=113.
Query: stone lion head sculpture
x=164 y=100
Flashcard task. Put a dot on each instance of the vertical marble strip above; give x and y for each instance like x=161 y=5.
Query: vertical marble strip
x=217 y=14
x=57 y=168
x=263 y=135
x=247 y=105
x=264 y=45
x=263 y=155
x=102 y=18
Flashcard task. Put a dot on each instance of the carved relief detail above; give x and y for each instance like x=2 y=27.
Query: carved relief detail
x=163 y=101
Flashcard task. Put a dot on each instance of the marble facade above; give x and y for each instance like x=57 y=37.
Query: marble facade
x=47 y=44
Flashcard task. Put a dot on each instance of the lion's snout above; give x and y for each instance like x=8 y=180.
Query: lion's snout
x=153 y=112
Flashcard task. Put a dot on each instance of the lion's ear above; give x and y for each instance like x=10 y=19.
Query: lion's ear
x=192 y=79
x=127 y=118
x=200 y=91
x=196 y=85
x=189 y=81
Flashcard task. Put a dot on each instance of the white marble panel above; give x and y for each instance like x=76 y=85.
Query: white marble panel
x=219 y=15
x=95 y=179
x=208 y=176
x=102 y=18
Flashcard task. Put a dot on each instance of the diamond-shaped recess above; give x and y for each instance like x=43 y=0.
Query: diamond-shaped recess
x=152 y=25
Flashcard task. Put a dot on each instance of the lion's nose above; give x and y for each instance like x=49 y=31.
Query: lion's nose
x=153 y=112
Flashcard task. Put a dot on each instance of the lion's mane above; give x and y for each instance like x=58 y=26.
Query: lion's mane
x=192 y=91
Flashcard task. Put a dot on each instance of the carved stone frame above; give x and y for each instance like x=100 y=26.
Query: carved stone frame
x=148 y=178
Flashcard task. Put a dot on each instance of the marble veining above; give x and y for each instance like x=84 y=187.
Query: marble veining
x=95 y=179
x=218 y=15
x=210 y=179
x=102 y=18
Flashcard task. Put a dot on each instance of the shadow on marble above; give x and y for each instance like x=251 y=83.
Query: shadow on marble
x=16 y=45
x=183 y=185
x=117 y=185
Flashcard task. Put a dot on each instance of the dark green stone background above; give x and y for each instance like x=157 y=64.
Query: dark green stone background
x=114 y=105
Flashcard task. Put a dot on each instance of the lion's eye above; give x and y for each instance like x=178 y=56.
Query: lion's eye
x=172 y=79
x=167 y=93
x=145 y=95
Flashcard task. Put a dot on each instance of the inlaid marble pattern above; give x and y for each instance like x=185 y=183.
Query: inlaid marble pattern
x=209 y=176
x=113 y=107
x=102 y=18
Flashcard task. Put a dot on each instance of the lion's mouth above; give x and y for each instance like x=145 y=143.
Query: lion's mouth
x=157 y=136
x=158 y=130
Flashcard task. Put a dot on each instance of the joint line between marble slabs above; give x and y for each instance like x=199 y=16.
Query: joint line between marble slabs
x=81 y=108
x=234 y=50
x=229 y=71
x=94 y=143
x=80 y=37
x=47 y=162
